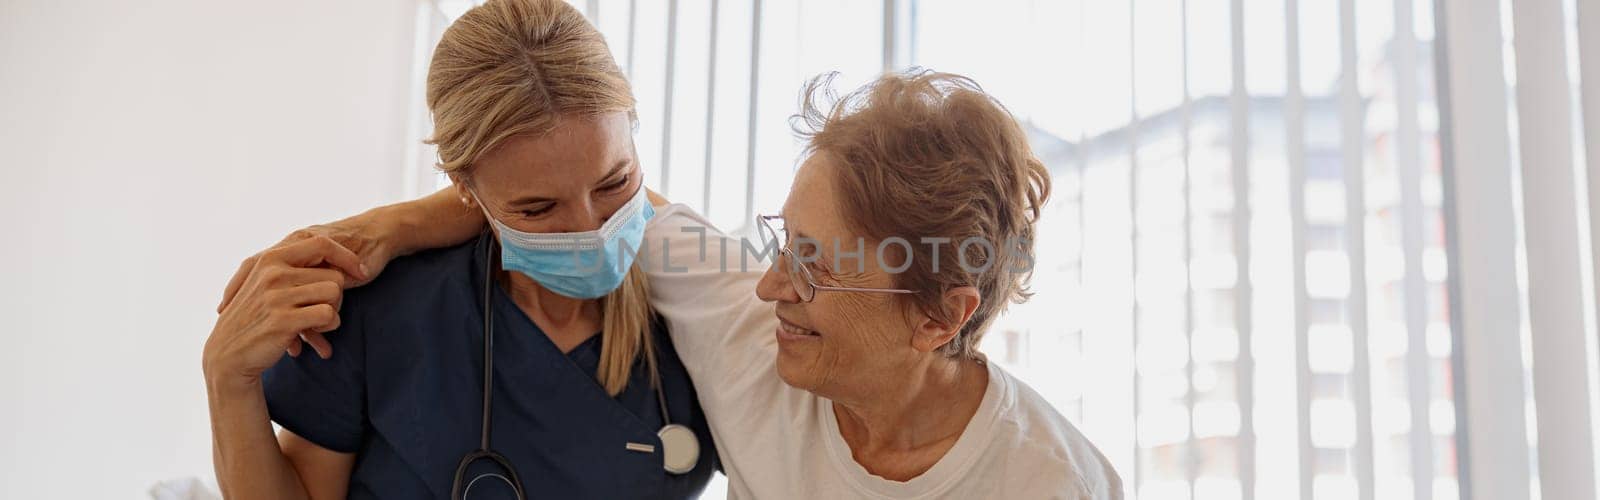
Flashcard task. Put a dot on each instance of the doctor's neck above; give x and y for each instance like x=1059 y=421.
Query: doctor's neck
x=549 y=309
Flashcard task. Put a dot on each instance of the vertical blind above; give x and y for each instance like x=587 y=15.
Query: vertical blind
x=1285 y=257
x=1518 y=147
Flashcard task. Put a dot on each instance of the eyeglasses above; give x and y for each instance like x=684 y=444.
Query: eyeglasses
x=799 y=275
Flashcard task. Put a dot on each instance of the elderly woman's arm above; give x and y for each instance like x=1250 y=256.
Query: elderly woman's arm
x=703 y=282
x=381 y=234
x=251 y=463
x=438 y=220
x=291 y=290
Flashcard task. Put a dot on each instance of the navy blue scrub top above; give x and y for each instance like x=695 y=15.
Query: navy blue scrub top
x=403 y=391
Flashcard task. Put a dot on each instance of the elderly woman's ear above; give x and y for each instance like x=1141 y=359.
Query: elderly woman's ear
x=932 y=333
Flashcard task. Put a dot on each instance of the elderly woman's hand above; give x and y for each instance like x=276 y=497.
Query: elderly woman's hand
x=288 y=290
x=363 y=235
x=367 y=237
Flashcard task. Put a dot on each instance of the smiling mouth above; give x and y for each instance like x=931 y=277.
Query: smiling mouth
x=793 y=329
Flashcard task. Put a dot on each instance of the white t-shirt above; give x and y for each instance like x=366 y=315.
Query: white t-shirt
x=776 y=441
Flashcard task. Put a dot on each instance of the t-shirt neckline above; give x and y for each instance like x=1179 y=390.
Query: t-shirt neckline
x=945 y=473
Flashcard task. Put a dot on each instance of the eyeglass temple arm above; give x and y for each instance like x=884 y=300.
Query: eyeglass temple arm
x=848 y=289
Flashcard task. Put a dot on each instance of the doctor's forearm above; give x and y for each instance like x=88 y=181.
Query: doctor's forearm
x=245 y=452
x=438 y=220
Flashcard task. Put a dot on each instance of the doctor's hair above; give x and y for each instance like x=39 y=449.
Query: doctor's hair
x=512 y=68
x=924 y=154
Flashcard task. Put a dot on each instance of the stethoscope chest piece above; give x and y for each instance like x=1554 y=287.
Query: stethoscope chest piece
x=680 y=450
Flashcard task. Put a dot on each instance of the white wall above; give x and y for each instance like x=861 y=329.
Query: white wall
x=145 y=148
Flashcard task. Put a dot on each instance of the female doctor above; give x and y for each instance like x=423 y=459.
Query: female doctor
x=502 y=367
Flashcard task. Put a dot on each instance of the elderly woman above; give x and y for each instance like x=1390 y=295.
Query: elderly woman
x=849 y=367
x=852 y=370
x=533 y=121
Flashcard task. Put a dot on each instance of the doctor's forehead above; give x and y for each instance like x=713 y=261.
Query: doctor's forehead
x=587 y=141
x=578 y=151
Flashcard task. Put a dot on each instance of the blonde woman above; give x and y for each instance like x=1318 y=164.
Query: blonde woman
x=500 y=366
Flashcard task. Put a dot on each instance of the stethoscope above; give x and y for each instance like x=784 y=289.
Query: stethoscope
x=680 y=449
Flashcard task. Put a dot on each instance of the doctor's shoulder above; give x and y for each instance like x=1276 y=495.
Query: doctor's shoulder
x=413 y=287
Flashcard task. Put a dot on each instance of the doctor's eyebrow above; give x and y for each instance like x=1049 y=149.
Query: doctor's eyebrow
x=611 y=175
x=617 y=170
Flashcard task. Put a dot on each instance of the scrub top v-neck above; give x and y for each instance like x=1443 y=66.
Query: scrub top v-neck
x=403 y=392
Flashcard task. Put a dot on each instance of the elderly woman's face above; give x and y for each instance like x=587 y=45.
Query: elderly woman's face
x=839 y=337
x=569 y=180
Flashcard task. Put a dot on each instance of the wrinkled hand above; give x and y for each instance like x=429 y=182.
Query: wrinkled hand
x=286 y=291
x=360 y=236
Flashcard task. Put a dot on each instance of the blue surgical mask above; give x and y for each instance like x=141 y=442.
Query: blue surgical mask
x=583 y=265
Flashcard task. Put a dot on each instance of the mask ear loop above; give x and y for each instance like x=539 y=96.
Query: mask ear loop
x=489 y=219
